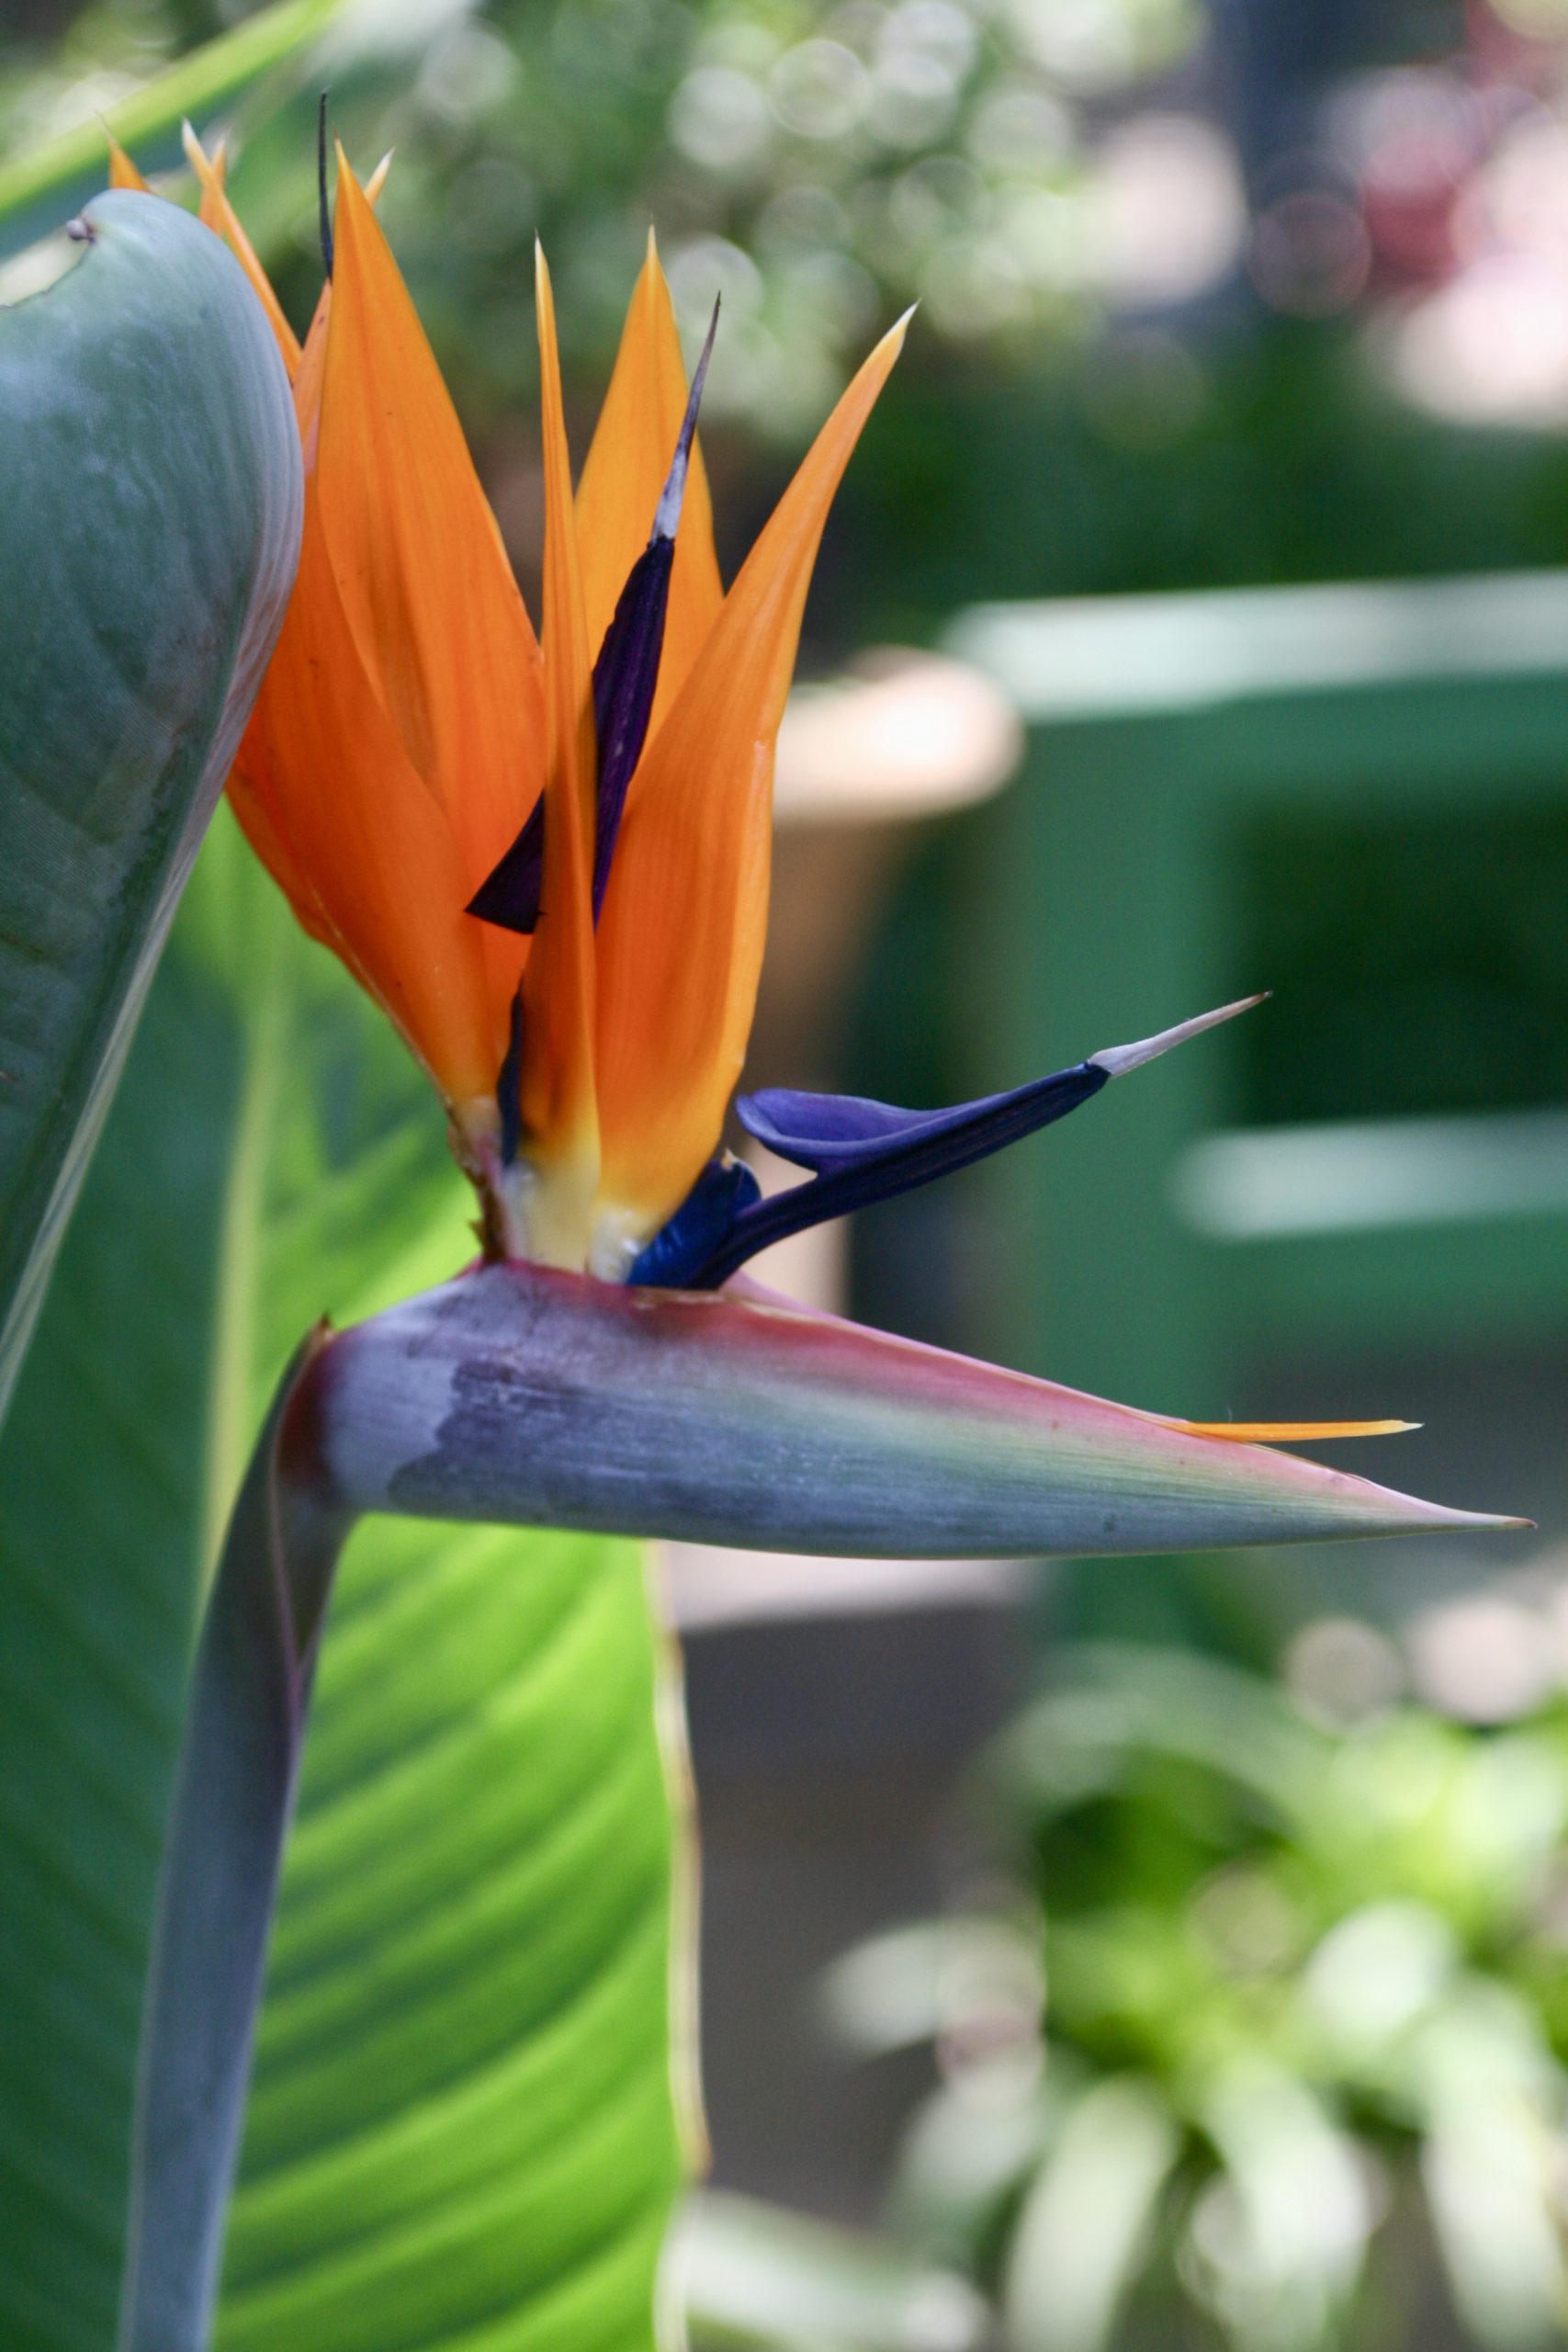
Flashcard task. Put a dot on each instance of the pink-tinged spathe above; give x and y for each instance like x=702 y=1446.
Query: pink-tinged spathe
x=526 y=1394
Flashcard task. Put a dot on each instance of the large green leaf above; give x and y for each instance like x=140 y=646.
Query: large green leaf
x=463 y=2128
x=149 y=502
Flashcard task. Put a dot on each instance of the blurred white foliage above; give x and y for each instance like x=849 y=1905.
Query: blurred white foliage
x=1492 y=2161
x=1167 y=211
x=1276 y=2239
x=1083 y=2229
x=1343 y=1670
x=1374 y=1974
x=1491 y=347
x=1482 y=1658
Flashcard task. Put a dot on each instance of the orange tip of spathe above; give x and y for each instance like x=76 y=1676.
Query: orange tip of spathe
x=1291 y=1432
x=123 y=172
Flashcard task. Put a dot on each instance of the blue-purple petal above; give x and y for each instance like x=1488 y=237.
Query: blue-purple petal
x=721 y=1195
x=828 y=1132
x=861 y=1152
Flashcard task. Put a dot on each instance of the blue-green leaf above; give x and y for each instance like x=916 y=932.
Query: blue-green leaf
x=149 y=506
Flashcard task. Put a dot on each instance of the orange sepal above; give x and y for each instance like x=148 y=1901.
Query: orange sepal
x=223 y=221
x=682 y=929
x=122 y=171
x=333 y=807
x=423 y=576
x=560 y=1116
x=311 y=370
x=624 y=475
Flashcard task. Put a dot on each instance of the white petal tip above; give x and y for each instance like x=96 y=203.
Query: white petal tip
x=1117 y=1060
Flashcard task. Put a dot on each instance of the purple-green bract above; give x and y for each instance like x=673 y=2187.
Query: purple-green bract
x=517 y=1392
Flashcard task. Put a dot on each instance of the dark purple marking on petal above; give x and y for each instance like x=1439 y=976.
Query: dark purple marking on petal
x=509 y=1085
x=510 y=893
x=625 y=677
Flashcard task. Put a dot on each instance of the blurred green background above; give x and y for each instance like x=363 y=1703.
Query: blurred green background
x=1225 y=298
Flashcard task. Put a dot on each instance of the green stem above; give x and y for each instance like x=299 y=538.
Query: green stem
x=195 y=86
x=233 y=1802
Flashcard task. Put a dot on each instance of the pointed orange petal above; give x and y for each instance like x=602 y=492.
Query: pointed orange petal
x=257 y=803
x=311 y=370
x=561 y=1127
x=313 y=355
x=1287 y=1433
x=122 y=171
x=331 y=805
x=223 y=221
x=623 y=478
x=308 y=378
x=424 y=577
x=681 y=928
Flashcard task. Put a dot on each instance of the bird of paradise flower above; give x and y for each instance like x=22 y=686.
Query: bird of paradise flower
x=547 y=856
